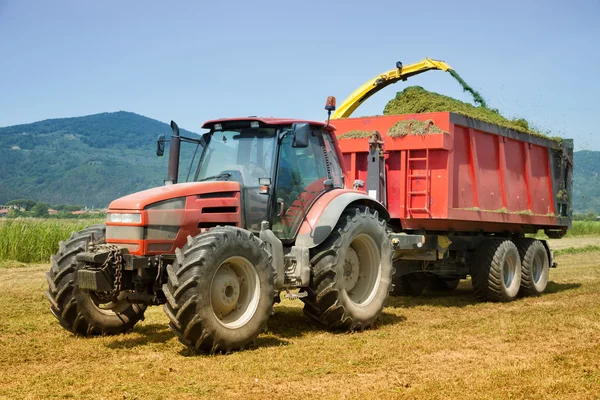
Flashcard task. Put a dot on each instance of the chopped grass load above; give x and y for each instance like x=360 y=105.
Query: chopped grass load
x=413 y=127
x=355 y=134
x=476 y=95
x=416 y=100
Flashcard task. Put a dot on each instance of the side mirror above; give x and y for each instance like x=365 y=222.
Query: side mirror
x=160 y=145
x=301 y=132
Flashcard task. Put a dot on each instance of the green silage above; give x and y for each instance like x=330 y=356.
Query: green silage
x=355 y=134
x=476 y=95
x=416 y=100
x=413 y=127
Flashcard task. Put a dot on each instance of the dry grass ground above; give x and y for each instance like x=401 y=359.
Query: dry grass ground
x=436 y=347
x=574 y=242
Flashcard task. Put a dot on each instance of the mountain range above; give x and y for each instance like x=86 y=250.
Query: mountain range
x=95 y=159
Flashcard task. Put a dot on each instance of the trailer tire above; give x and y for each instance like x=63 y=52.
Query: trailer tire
x=439 y=284
x=220 y=290
x=78 y=310
x=496 y=273
x=535 y=266
x=412 y=284
x=351 y=272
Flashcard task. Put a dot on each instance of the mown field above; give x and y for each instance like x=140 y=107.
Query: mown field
x=435 y=347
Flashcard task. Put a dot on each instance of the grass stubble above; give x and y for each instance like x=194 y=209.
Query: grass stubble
x=435 y=346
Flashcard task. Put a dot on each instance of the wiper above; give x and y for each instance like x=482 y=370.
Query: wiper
x=221 y=175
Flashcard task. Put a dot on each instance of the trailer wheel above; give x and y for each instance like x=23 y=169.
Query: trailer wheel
x=496 y=273
x=351 y=272
x=439 y=284
x=81 y=311
x=535 y=266
x=220 y=290
x=412 y=284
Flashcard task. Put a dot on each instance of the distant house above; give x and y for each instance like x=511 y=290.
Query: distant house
x=52 y=211
x=3 y=212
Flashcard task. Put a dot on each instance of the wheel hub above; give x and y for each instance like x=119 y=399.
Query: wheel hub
x=235 y=292
x=225 y=291
x=509 y=271
x=351 y=269
x=362 y=270
x=538 y=265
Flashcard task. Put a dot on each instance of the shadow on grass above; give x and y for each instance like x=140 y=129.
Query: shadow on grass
x=151 y=333
x=554 y=287
x=290 y=322
x=259 y=343
x=461 y=297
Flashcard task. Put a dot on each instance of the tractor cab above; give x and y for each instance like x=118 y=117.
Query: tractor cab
x=281 y=165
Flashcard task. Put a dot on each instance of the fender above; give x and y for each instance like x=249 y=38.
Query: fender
x=326 y=212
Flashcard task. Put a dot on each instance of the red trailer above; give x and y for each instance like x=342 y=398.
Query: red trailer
x=471 y=187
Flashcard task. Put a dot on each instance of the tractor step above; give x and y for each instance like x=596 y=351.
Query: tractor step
x=295 y=296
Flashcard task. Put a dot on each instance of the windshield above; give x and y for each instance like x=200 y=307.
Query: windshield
x=243 y=155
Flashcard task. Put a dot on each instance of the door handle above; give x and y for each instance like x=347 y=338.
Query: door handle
x=281 y=205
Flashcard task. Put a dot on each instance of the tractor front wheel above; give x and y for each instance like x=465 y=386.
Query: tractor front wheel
x=81 y=311
x=220 y=290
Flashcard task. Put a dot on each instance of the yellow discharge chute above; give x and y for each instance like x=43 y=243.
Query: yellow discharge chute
x=369 y=88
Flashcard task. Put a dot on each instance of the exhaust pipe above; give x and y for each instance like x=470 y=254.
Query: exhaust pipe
x=174 y=147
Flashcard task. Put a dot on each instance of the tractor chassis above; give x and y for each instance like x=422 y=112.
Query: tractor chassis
x=142 y=276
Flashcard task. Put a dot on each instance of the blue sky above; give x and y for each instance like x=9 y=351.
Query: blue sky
x=192 y=61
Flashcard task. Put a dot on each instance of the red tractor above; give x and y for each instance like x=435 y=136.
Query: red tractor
x=266 y=210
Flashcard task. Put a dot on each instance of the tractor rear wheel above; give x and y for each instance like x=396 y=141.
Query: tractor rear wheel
x=535 y=266
x=81 y=311
x=351 y=272
x=220 y=290
x=496 y=272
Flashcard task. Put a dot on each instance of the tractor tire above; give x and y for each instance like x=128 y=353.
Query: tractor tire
x=496 y=272
x=80 y=311
x=220 y=290
x=351 y=272
x=412 y=284
x=439 y=284
x=535 y=266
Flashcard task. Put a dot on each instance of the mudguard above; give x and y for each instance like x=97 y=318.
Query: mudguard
x=326 y=212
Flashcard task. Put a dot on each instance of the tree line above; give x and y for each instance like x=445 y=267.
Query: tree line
x=39 y=209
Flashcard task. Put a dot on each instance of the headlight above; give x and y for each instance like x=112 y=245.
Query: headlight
x=126 y=218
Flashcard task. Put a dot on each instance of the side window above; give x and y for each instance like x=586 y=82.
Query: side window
x=300 y=176
x=337 y=175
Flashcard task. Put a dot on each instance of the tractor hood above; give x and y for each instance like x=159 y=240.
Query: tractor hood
x=139 y=200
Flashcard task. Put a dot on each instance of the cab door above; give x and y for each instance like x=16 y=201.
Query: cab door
x=302 y=176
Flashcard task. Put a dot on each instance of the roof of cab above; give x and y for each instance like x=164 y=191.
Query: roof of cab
x=267 y=121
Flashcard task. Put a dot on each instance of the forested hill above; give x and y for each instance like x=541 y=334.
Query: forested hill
x=586 y=187
x=94 y=159
x=87 y=160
